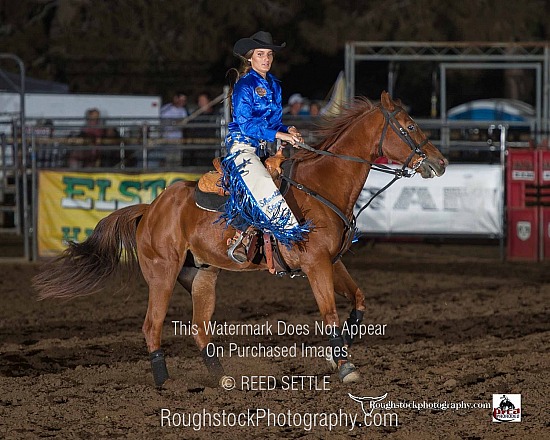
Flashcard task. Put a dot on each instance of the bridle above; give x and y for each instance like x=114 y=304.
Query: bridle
x=391 y=121
x=416 y=149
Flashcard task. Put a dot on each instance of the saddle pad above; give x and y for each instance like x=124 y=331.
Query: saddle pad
x=210 y=201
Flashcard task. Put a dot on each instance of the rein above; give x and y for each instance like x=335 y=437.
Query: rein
x=390 y=121
x=403 y=172
x=398 y=174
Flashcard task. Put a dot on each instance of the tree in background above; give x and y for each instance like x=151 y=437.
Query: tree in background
x=150 y=47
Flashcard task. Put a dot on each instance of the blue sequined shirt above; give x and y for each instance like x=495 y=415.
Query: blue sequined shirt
x=257 y=110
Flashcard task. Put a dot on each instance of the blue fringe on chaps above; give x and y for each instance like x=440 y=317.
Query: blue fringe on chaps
x=255 y=200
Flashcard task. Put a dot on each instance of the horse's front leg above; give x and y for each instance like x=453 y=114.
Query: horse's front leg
x=345 y=286
x=203 y=291
x=321 y=279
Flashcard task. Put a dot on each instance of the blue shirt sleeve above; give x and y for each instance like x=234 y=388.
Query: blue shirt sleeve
x=257 y=109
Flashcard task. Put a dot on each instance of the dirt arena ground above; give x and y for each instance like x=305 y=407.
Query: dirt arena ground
x=460 y=327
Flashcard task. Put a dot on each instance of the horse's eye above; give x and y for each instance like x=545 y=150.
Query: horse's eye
x=411 y=127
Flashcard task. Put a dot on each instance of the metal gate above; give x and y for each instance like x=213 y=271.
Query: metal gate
x=14 y=202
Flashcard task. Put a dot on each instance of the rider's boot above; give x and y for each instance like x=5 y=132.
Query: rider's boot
x=238 y=245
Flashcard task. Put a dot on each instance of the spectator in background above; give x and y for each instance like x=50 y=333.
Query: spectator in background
x=203 y=103
x=177 y=109
x=296 y=105
x=171 y=115
x=96 y=133
x=314 y=108
x=203 y=115
x=92 y=134
x=48 y=154
x=203 y=130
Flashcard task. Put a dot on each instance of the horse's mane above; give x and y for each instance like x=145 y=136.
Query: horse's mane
x=331 y=128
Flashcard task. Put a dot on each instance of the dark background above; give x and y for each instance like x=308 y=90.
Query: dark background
x=157 y=47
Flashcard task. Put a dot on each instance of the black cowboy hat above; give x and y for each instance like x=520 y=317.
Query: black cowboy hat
x=260 y=40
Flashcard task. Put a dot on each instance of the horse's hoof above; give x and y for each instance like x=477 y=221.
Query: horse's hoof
x=348 y=373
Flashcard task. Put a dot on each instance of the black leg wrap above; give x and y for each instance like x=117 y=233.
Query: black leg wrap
x=158 y=365
x=212 y=363
x=336 y=341
x=352 y=326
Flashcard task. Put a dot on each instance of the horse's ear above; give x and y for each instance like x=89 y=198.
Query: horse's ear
x=387 y=102
x=398 y=102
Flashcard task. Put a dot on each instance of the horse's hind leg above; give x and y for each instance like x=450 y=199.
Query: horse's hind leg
x=201 y=284
x=345 y=286
x=204 y=302
x=161 y=278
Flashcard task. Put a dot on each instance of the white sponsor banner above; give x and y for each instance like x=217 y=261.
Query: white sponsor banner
x=467 y=199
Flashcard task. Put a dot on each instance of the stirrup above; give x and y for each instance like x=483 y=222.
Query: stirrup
x=239 y=256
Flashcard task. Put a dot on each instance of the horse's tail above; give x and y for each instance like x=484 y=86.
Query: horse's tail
x=83 y=268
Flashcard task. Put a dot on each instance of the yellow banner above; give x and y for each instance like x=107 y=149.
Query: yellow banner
x=70 y=204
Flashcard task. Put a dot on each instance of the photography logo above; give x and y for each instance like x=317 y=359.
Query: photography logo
x=366 y=402
x=506 y=407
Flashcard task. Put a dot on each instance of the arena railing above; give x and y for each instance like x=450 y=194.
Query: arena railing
x=141 y=144
x=150 y=144
x=127 y=144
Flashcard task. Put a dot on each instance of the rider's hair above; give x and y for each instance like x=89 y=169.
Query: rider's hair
x=235 y=74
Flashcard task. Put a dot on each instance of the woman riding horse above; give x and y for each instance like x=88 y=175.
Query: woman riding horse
x=256 y=102
x=174 y=240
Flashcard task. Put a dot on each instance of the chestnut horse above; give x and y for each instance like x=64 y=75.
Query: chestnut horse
x=173 y=240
